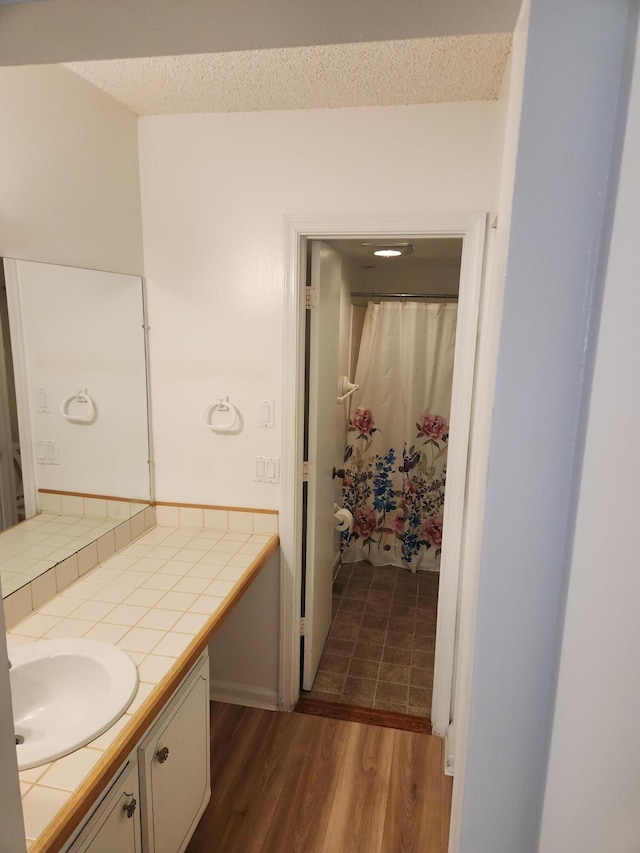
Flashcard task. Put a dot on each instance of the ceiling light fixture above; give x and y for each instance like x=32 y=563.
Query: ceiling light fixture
x=390 y=250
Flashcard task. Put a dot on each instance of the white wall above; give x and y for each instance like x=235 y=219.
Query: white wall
x=593 y=784
x=69 y=185
x=215 y=189
x=572 y=111
x=243 y=654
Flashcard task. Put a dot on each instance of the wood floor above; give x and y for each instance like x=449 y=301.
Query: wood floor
x=283 y=783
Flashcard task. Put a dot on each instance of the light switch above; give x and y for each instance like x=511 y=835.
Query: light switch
x=266 y=409
x=46 y=453
x=43 y=405
x=267 y=469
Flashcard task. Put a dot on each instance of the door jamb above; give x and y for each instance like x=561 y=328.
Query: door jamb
x=471 y=227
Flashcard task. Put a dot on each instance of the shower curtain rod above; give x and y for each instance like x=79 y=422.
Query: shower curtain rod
x=451 y=296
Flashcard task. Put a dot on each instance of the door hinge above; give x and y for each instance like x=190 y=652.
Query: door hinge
x=305 y=472
x=310 y=297
x=303 y=626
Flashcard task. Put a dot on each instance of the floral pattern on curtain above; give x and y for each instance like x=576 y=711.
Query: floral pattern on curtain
x=396 y=461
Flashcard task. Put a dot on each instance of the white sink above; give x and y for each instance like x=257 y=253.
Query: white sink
x=65 y=693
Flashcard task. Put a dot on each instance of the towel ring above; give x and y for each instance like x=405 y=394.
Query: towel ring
x=222 y=404
x=80 y=396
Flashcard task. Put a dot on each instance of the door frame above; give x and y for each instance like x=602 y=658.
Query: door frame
x=471 y=227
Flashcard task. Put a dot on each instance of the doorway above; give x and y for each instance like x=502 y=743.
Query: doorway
x=381 y=337
x=471 y=230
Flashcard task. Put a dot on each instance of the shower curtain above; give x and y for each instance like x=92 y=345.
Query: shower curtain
x=396 y=453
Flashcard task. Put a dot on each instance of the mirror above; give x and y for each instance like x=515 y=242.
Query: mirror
x=74 y=438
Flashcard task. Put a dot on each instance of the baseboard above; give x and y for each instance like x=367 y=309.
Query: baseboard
x=243 y=694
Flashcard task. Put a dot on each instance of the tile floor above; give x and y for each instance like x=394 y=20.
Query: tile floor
x=381 y=645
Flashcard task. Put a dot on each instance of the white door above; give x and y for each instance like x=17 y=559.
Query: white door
x=321 y=540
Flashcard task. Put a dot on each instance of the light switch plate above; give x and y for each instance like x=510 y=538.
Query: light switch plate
x=266 y=416
x=267 y=469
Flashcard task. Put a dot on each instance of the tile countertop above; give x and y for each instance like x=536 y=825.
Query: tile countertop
x=160 y=599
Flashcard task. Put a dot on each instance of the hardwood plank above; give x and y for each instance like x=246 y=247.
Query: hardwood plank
x=303 y=811
x=356 y=823
x=413 y=817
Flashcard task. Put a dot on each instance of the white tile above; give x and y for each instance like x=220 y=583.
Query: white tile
x=106 y=546
x=70 y=771
x=40 y=806
x=192 y=584
x=177 y=600
x=231 y=573
x=72 y=505
x=190 y=516
x=216 y=519
x=60 y=606
x=34 y=773
x=251 y=548
x=167 y=516
x=49 y=503
x=105 y=740
x=112 y=593
x=66 y=572
x=147 y=564
x=136 y=657
x=122 y=535
x=87 y=558
x=219 y=588
x=265 y=523
x=174 y=568
x=204 y=570
x=17 y=606
x=163 y=552
x=234 y=536
x=160 y=582
x=162 y=620
x=36 y=625
x=107 y=633
x=140 y=639
x=122 y=561
x=154 y=668
x=93 y=610
x=133 y=579
x=83 y=589
x=191 y=623
x=142 y=693
x=189 y=555
x=118 y=509
x=206 y=604
x=69 y=628
x=242 y=561
x=24 y=787
x=150 y=517
x=260 y=539
x=95 y=507
x=137 y=525
x=226 y=546
x=43 y=589
x=136 y=549
x=125 y=614
x=145 y=597
x=173 y=645
x=216 y=558
x=241 y=522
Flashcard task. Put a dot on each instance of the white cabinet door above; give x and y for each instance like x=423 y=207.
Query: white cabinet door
x=175 y=768
x=115 y=826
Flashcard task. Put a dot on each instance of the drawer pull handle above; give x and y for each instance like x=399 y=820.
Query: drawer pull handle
x=162 y=754
x=129 y=808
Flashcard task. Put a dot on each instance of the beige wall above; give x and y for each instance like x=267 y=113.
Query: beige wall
x=69 y=182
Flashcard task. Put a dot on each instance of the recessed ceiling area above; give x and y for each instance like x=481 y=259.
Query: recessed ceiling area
x=390 y=73
x=431 y=252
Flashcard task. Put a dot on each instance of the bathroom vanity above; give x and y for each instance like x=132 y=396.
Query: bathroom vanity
x=143 y=784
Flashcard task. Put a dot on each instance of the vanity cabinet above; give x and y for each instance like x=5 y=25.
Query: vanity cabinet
x=174 y=765
x=155 y=802
x=115 y=825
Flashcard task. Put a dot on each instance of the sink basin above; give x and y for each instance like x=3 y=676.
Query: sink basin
x=65 y=693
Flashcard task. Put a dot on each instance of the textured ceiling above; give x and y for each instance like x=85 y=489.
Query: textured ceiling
x=408 y=71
